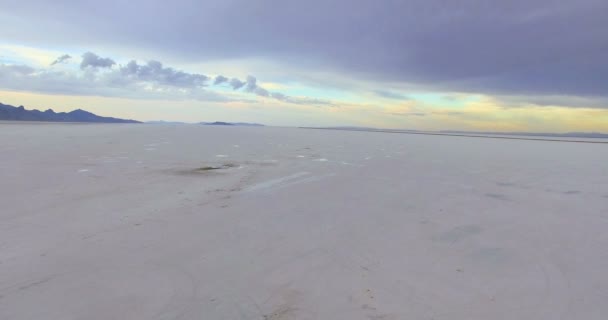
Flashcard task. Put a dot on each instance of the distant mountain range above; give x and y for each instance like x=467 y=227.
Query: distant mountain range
x=221 y=123
x=11 y=113
x=216 y=123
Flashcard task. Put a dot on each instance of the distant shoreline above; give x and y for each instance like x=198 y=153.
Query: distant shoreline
x=472 y=135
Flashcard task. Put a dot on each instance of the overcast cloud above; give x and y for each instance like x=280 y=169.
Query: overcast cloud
x=493 y=47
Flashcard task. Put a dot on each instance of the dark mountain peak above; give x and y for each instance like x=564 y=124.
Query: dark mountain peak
x=11 y=113
x=80 y=112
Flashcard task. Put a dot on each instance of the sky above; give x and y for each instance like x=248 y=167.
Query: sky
x=534 y=65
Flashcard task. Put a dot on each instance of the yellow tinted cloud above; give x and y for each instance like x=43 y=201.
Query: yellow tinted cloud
x=489 y=114
x=28 y=55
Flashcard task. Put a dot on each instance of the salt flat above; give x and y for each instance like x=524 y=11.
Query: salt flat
x=198 y=222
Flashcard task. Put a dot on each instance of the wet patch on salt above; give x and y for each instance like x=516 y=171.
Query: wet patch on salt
x=221 y=156
x=83 y=170
x=208 y=169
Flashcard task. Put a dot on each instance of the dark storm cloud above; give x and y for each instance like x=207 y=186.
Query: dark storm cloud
x=251 y=85
x=261 y=92
x=107 y=83
x=151 y=80
x=61 y=59
x=236 y=83
x=89 y=59
x=220 y=79
x=154 y=71
x=506 y=47
x=279 y=96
